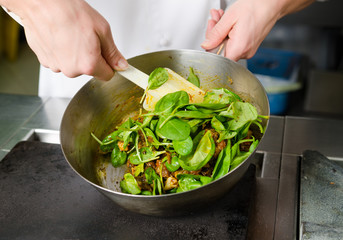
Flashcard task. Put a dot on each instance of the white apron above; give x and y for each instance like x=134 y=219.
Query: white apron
x=138 y=27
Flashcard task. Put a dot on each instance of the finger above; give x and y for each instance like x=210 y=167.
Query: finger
x=218 y=33
x=231 y=51
x=215 y=14
x=236 y=50
x=221 y=12
x=102 y=70
x=210 y=24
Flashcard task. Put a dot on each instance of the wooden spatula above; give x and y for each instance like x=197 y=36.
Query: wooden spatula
x=175 y=83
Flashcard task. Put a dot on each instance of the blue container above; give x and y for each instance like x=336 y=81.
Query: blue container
x=278 y=103
x=274 y=62
x=277 y=70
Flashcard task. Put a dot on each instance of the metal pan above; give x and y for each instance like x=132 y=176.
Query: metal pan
x=100 y=106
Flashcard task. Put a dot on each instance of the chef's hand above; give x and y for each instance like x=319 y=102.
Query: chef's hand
x=246 y=23
x=69 y=37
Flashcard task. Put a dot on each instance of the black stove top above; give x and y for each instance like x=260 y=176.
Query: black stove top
x=43 y=198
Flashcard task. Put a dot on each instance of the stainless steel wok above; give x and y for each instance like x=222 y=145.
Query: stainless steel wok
x=100 y=106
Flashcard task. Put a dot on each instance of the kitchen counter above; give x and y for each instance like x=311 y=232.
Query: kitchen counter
x=21 y=114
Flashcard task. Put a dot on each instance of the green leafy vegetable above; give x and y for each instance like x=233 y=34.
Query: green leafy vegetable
x=239 y=157
x=181 y=146
x=202 y=154
x=156 y=79
x=189 y=182
x=173 y=165
x=221 y=95
x=139 y=169
x=223 y=163
x=146 y=154
x=193 y=78
x=129 y=184
x=153 y=178
x=118 y=157
x=174 y=129
x=171 y=101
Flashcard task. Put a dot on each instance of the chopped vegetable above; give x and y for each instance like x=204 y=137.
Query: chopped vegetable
x=181 y=146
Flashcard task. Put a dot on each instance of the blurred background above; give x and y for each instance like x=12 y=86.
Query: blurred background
x=19 y=67
x=300 y=63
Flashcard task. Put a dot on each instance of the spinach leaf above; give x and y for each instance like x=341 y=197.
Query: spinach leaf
x=108 y=143
x=183 y=147
x=239 y=157
x=202 y=154
x=193 y=114
x=152 y=139
x=221 y=95
x=129 y=184
x=173 y=129
x=173 y=165
x=118 y=157
x=150 y=175
x=126 y=125
x=195 y=122
x=192 y=78
x=146 y=121
x=217 y=125
x=145 y=154
x=153 y=178
x=157 y=78
x=223 y=163
x=139 y=169
x=243 y=131
x=171 y=101
x=222 y=130
x=153 y=124
x=146 y=192
x=197 y=139
x=126 y=137
x=213 y=106
x=191 y=107
x=241 y=114
x=189 y=182
x=106 y=148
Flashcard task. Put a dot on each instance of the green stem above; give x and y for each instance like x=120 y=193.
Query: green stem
x=96 y=139
x=137 y=149
x=145 y=138
x=142 y=99
x=259 y=126
x=264 y=117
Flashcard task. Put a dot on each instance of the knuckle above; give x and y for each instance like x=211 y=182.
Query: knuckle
x=112 y=54
x=104 y=27
x=70 y=71
x=89 y=67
